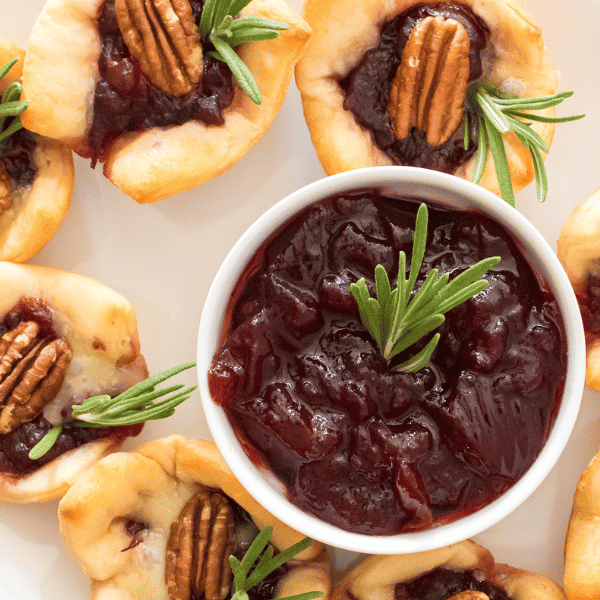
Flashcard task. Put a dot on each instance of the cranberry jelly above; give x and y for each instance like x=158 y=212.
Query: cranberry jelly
x=368 y=87
x=16 y=154
x=366 y=448
x=441 y=584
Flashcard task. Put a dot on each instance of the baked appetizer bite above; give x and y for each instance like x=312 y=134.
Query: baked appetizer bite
x=36 y=174
x=137 y=86
x=582 y=561
x=431 y=84
x=161 y=523
x=578 y=250
x=463 y=571
x=64 y=337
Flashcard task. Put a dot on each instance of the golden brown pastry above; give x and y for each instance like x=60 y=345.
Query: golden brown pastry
x=65 y=337
x=582 y=559
x=31 y=209
x=515 y=59
x=156 y=163
x=468 y=564
x=578 y=250
x=124 y=521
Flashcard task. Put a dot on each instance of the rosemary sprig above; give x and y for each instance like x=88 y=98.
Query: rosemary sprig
x=499 y=113
x=395 y=320
x=244 y=580
x=219 y=23
x=137 y=404
x=11 y=105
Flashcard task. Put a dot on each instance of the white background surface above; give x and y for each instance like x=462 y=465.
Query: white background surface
x=162 y=257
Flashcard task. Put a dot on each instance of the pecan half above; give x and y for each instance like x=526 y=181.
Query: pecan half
x=198 y=549
x=430 y=86
x=32 y=371
x=6 y=194
x=163 y=36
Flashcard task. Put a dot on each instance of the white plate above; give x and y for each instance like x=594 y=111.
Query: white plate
x=163 y=256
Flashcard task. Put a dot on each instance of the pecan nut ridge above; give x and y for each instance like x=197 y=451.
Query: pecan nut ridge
x=32 y=370
x=162 y=35
x=198 y=549
x=430 y=86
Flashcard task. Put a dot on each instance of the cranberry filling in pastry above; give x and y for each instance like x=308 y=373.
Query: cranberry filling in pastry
x=126 y=100
x=368 y=87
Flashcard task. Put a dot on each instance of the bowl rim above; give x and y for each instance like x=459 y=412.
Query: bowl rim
x=262 y=485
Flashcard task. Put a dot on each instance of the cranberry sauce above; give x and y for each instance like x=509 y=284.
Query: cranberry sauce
x=370 y=449
x=125 y=100
x=368 y=86
x=16 y=445
x=441 y=584
x=16 y=153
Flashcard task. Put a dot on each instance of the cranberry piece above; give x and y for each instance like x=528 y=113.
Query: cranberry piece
x=351 y=245
x=297 y=307
x=335 y=293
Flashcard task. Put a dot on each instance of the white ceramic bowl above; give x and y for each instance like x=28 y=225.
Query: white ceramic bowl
x=425 y=185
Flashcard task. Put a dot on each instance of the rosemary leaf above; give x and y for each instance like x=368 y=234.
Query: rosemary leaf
x=482 y=150
x=424 y=327
x=257 y=23
x=14 y=126
x=496 y=144
x=542 y=119
x=206 y=18
x=220 y=12
x=240 y=71
x=45 y=443
x=254 y=35
x=8 y=66
x=421 y=359
x=525 y=132
x=492 y=114
x=541 y=179
x=276 y=561
x=237 y=6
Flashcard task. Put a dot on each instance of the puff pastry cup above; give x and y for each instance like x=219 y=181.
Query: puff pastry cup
x=152 y=485
x=582 y=559
x=154 y=164
x=519 y=61
x=37 y=208
x=87 y=344
x=377 y=577
x=578 y=249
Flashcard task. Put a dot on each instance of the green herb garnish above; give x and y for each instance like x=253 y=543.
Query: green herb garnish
x=11 y=105
x=244 y=580
x=135 y=405
x=498 y=113
x=395 y=320
x=225 y=32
